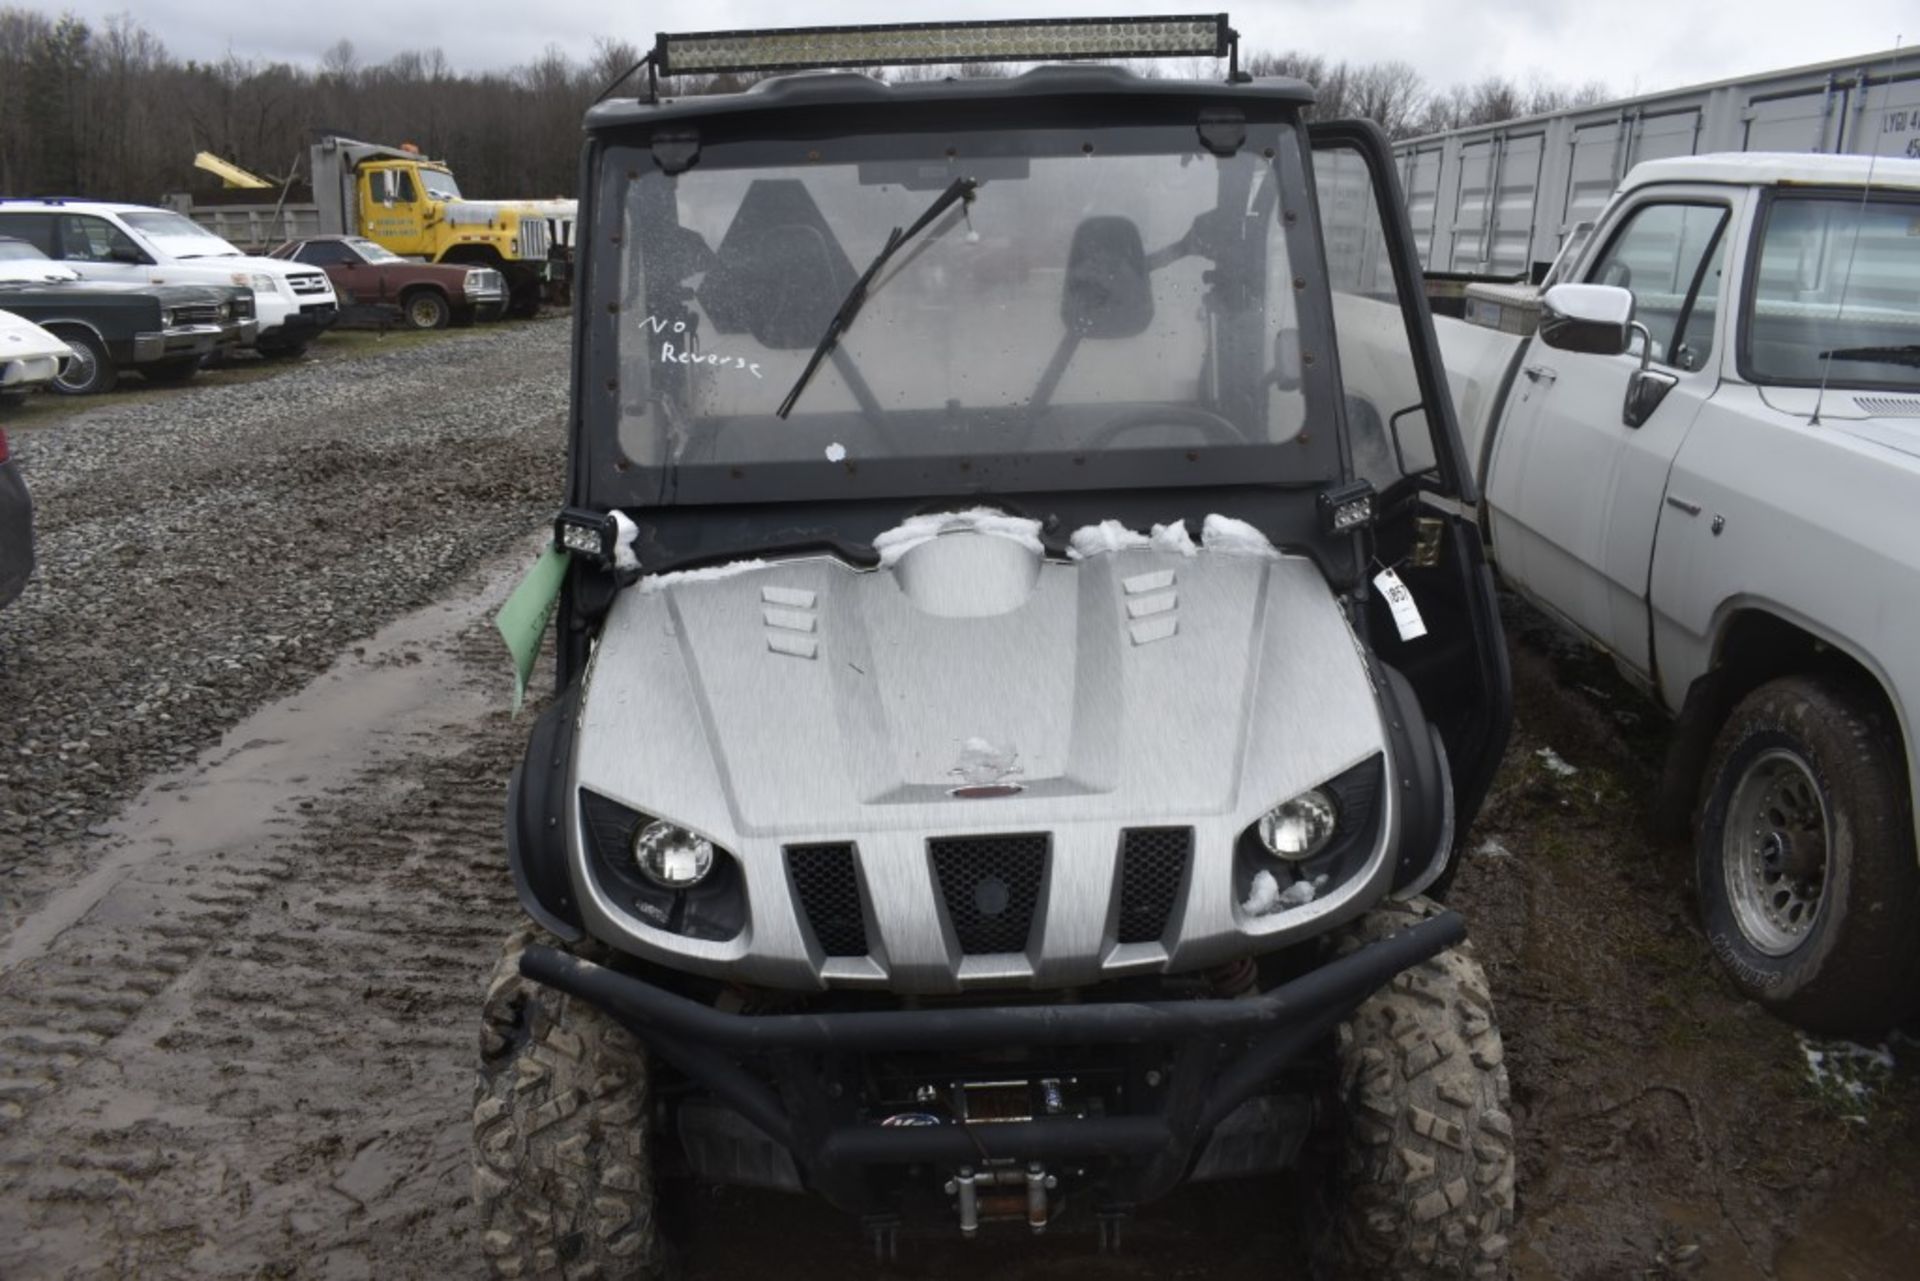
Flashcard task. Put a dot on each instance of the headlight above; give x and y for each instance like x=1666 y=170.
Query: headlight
x=166 y=318
x=258 y=281
x=477 y=281
x=672 y=857
x=1299 y=828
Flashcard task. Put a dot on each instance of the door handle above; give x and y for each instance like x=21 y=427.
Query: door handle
x=1539 y=373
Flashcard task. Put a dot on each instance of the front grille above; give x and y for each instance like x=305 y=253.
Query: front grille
x=829 y=891
x=990 y=885
x=530 y=242
x=308 y=284
x=1153 y=866
x=197 y=314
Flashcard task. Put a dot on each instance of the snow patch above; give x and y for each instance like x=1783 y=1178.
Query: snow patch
x=1491 y=848
x=711 y=573
x=1174 y=538
x=1555 y=763
x=982 y=763
x=836 y=452
x=1107 y=536
x=625 y=531
x=1232 y=537
x=894 y=543
x=1846 y=1071
x=1265 y=896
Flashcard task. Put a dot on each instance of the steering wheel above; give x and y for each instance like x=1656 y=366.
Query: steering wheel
x=1211 y=426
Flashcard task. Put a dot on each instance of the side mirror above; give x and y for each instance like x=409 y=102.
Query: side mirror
x=127 y=254
x=1597 y=319
x=1107 y=294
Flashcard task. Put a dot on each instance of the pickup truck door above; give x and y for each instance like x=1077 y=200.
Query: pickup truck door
x=1577 y=479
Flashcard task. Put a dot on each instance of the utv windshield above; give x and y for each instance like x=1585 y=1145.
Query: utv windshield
x=1837 y=293
x=1115 y=308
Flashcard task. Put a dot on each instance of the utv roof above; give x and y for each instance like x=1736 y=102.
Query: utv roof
x=854 y=89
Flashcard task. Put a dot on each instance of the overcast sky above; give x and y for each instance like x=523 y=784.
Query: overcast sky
x=1632 y=45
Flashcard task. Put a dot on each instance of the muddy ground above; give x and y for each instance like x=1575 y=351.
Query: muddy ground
x=236 y=1009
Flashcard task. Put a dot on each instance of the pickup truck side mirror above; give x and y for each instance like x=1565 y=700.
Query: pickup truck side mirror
x=1597 y=319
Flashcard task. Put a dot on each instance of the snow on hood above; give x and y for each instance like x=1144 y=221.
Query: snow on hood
x=707 y=574
x=1218 y=533
x=1233 y=537
x=894 y=543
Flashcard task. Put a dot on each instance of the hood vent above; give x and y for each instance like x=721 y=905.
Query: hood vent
x=1152 y=606
x=1889 y=406
x=791 y=621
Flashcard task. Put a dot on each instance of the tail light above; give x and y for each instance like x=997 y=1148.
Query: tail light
x=3 y=444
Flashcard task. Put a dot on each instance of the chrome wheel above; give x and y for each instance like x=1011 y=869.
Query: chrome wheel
x=1774 y=851
x=81 y=372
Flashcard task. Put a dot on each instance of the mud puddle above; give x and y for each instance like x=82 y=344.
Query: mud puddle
x=395 y=693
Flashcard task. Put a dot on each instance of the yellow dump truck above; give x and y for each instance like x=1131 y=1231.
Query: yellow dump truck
x=411 y=204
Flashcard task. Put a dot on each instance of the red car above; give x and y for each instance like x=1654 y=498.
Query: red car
x=428 y=295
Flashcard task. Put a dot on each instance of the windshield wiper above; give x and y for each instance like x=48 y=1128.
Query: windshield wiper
x=1907 y=355
x=960 y=189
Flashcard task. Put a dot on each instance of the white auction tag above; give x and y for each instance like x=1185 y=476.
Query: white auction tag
x=1406 y=614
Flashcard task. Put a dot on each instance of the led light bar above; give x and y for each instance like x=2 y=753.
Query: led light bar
x=905 y=44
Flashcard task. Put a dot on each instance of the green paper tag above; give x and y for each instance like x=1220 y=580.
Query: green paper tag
x=523 y=619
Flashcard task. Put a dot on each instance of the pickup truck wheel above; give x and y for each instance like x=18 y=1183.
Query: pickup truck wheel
x=562 y=1173
x=90 y=371
x=177 y=370
x=425 y=309
x=1426 y=1188
x=1804 y=858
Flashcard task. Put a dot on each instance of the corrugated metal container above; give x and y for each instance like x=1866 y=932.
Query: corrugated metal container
x=1499 y=199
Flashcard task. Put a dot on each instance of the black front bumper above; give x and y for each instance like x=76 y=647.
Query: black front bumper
x=1224 y=1053
x=312 y=320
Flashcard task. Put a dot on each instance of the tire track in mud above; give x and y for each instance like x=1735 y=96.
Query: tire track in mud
x=254 y=1060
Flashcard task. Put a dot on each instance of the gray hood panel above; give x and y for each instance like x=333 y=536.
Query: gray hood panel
x=808 y=701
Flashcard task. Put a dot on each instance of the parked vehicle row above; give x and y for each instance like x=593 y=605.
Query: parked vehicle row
x=130 y=244
x=163 y=332
x=122 y=288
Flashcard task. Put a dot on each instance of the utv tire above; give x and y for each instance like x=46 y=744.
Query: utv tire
x=91 y=371
x=562 y=1175
x=1426 y=1188
x=1804 y=857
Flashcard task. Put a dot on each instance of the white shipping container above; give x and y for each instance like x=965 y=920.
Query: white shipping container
x=1500 y=199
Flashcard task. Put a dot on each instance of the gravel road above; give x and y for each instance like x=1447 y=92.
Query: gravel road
x=253 y=740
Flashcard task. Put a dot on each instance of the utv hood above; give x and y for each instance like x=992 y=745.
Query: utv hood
x=973 y=683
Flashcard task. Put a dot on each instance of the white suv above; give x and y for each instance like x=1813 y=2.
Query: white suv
x=138 y=243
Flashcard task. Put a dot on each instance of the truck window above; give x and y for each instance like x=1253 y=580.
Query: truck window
x=1673 y=257
x=1838 y=280
x=325 y=253
x=84 y=238
x=1387 y=423
x=35 y=229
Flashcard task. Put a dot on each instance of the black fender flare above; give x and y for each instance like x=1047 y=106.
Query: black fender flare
x=537 y=820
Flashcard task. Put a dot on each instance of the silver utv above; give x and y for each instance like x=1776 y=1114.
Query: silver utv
x=1017 y=681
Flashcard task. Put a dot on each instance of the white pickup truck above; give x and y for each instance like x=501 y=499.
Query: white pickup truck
x=134 y=244
x=1705 y=459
